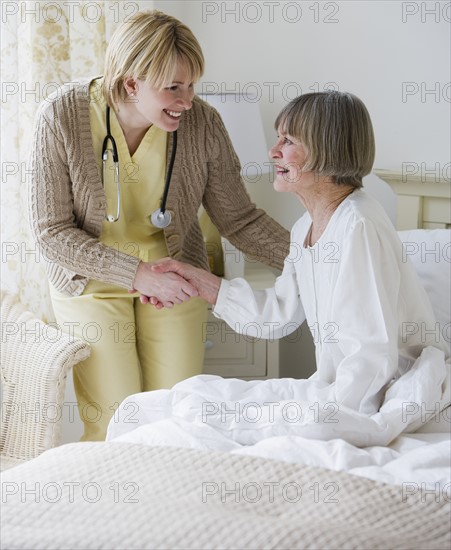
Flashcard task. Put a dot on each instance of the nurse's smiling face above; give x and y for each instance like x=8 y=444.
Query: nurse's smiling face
x=165 y=107
x=289 y=156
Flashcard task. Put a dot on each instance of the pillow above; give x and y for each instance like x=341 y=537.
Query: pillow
x=430 y=252
x=35 y=359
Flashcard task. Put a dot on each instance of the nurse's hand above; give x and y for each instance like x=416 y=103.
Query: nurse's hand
x=205 y=282
x=152 y=300
x=168 y=288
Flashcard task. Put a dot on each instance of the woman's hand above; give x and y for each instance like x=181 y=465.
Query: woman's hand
x=167 y=287
x=206 y=283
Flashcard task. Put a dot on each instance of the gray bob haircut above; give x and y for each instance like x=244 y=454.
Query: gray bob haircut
x=335 y=129
x=148 y=47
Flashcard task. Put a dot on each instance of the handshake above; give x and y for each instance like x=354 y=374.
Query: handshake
x=167 y=282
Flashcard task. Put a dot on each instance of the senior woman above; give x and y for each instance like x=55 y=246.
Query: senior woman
x=121 y=165
x=345 y=274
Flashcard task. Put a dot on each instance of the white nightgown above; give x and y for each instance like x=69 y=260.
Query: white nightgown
x=362 y=299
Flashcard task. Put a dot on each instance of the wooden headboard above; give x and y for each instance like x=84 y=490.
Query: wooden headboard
x=423 y=200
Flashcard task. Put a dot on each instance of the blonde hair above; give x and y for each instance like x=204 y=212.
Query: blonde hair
x=336 y=130
x=148 y=47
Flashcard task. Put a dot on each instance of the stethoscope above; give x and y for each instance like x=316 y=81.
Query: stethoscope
x=161 y=217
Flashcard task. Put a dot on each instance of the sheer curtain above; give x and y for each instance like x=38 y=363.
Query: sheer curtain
x=43 y=44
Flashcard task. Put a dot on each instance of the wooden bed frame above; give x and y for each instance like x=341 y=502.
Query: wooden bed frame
x=424 y=201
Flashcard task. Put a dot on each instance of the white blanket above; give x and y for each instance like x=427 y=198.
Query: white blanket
x=281 y=419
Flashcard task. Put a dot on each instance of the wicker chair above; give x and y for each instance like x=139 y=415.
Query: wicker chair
x=35 y=360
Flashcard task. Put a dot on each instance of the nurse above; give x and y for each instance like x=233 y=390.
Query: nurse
x=91 y=212
x=345 y=272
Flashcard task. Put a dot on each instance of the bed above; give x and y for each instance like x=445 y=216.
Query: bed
x=179 y=485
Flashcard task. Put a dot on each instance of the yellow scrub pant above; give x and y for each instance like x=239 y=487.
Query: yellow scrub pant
x=134 y=348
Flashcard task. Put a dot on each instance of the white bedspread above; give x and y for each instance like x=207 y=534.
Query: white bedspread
x=281 y=419
x=125 y=496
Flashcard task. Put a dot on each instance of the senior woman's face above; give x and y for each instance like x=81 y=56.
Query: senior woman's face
x=165 y=107
x=289 y=156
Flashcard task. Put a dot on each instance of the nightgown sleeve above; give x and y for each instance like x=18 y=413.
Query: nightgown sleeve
x=271 y=313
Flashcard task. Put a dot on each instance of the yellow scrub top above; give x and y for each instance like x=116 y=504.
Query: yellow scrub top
x=141 y=183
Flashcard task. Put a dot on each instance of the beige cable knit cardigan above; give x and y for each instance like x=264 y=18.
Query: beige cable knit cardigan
x=67 y=202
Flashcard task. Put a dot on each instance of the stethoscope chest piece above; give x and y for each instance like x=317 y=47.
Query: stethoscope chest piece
x=160 y=219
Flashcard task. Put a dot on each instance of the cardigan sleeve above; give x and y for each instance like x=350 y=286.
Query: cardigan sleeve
x=230 y=208
x=53 y=222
